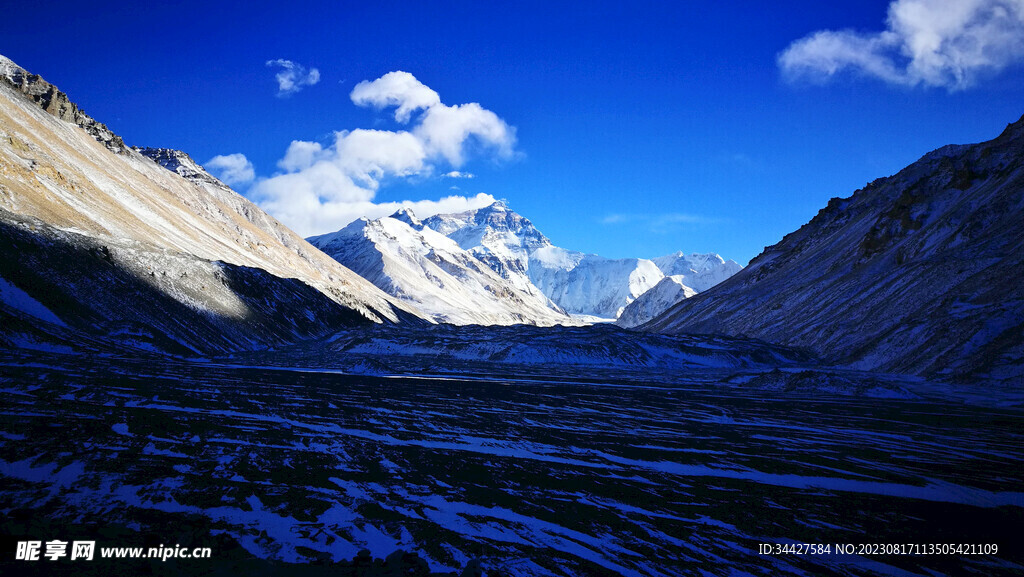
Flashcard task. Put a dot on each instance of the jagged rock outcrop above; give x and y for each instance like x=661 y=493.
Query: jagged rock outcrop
x=178 y=162
x=55 y=102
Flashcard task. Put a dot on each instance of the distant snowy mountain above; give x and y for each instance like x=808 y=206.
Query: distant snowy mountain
x=669 y=291
x=188 y=262
x=919 y=272
x=698 y=271
x=581 y=284
x=686 y=275
x=431 y=272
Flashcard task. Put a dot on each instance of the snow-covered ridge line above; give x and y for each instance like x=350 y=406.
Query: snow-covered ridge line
x=579 y=283
x=492 y=266
x=669 y=291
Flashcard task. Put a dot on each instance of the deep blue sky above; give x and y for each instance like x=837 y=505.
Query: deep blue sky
x=623 y=111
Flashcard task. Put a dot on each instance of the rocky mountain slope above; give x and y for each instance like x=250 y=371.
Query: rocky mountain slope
x=69 y=183
x=915 y=273
x=579 y=283
x=432 y=273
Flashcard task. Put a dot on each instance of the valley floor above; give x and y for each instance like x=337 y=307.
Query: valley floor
x=590 y=472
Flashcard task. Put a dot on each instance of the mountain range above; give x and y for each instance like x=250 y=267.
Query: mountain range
x=492 y=266
x=165 y=227
x=582 y=284
x=916 y=273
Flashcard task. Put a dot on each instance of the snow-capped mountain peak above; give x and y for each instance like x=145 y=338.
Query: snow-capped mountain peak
x=406 y=215
x=491 y=227
x=432 y=272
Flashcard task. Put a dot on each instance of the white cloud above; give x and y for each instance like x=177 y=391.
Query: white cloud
x=616 y=218
x=324 y=187
x=396 y=88
x=293 y=77
x=945 y=43
x=445 y=130
x=231 y=169
x=370 y=155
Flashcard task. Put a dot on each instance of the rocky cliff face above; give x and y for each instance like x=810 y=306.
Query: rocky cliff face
x=917 y=273
x=55 y=102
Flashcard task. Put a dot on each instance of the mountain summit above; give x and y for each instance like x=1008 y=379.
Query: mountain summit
x=429 y=271
x=52 y=100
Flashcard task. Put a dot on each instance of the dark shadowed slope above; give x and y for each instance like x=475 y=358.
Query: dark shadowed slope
x=920 y=272
x=59 y=290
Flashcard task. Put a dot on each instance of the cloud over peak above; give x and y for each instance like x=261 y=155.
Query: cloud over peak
x=293 y=77
x=325 y=186
x=941 y=43
x=444 y=130
x=399 y=89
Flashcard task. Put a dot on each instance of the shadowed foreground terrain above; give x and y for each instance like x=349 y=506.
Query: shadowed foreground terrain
x=570 y=475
